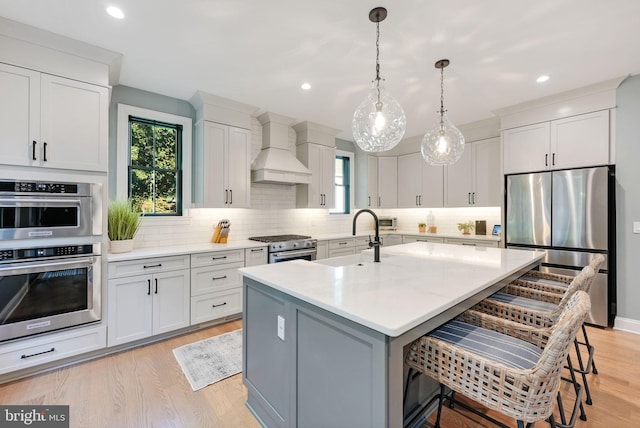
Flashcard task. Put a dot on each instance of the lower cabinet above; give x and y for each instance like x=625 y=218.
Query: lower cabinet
x=389 y=240
x=140 y=306
x=421 y=238
x=342 y=247
x=256 y=256
x=216 y=290
x=322 y=250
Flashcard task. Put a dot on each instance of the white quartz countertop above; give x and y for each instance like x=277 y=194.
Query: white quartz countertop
x=413 y=283
x=330 y=236
x=174 y=250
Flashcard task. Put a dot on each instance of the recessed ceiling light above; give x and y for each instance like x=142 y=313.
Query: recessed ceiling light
x=542 y=78
x=116 y=12
x=305 y=86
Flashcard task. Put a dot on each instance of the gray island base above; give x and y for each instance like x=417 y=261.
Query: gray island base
x=324 y=342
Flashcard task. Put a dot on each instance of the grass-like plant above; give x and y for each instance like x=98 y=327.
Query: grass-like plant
x=122 y=221
x=466 y=227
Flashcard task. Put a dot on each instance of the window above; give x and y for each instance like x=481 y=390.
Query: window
x=342 y=186
x=153 y=165
x=155 y=174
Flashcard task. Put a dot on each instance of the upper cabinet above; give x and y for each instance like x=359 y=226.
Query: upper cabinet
x=387 y=182
x=572 y=142
x=419 y=183
x=222 y=166
x=49 y=121
x=476 y=179
x=316 y=149
x=366 y=181
x=222 y=152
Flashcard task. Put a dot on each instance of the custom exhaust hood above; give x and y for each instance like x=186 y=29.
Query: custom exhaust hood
x=276 y=163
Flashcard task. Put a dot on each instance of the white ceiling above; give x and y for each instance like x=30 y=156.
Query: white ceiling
x=259 y=52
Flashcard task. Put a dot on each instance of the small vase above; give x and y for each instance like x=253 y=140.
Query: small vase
x=466 y=232
x=422 y=229
x=123 y=246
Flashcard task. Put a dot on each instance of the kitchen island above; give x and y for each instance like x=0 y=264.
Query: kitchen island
x=324 y=342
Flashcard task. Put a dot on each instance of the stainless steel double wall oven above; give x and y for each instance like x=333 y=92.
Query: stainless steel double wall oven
x=50 y=256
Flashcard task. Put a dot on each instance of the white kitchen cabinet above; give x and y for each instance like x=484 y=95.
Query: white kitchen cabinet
x=155 y=302
x=476 y=178
x=222 y=166
x=421 y=238
x=389 y=240
x=367 y=182
x=387 y=182
x=216 y=286
x=471 y=242
x=419 y=183
x=342 y=247
x=572 y=142
x=256 y=256
x=321 y=161
x=362 y=243
x=49 y=121
x=322 y=250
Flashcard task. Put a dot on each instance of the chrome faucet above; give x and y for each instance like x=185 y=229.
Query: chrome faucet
x=376 y=240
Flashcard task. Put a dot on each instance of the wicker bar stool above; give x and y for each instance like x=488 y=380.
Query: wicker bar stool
x=540 y=312
x=509 y=367
x=556 y=283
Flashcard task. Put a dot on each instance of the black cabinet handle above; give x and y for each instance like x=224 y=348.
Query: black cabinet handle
x=469 y=198
x=369 y=200
x=546 y=159
x=156 y=281
x=219 y=277
x=468 y=243
x=473 y=198
x=221 y=304
x=553 y=159
x=231 y=197
x=416 y=200
x=219 y=258
x=44 y=154
x=342 y=243
x=33 y=150
x=152 y=266
x=37 y=353
x=226 y=196
x=379 y=202
x=148 y=287
x=257 y=250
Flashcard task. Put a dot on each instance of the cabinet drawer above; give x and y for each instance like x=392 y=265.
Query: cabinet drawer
x=471 y=242
x=342 y=252
x=216 y=305
x=217 y=258
x=40 y=350
x=416 y=238
x=205 y=279
x=342 y=243
x=146 y=266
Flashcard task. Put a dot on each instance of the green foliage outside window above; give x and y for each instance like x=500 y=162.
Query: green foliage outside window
x=154 y=168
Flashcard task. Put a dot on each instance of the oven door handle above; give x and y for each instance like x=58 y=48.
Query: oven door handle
x=45 y=265
x=38 y=202
x=294 y=253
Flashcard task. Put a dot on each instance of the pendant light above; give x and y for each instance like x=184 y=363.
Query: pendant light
x=379 y=122
x=444 y=143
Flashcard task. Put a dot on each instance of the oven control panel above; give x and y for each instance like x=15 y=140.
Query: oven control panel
x=35 y=253
x=37 y=187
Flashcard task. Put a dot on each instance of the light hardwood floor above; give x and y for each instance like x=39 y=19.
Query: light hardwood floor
x=145 y=387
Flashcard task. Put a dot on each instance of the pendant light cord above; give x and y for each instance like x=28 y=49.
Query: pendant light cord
x=378 y=104
x=442 y=98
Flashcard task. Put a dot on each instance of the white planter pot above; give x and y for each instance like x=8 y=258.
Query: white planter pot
x=123 y=246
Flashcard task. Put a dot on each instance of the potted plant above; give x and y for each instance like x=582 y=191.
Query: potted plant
x=122 y=225
x=422 y=227
x=466 y=228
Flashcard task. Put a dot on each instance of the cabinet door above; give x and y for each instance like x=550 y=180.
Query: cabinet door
x=237 y=168
x=328 y=179
x=431 y=185
x=171 y=301
x=322 y=250
x=310 y=195
x=372 y=182
x=129 y=309
x=213 y=178
x=526 y=149
x=256 y=256
x=387 y=182
x=74 y=124
x=580 y=141
x=409 y=180
x=487 y=191
x=459 y=180
x=19 y=116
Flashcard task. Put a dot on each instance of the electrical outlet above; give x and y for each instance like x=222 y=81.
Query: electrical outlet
x=281 y=328
x=636 y=227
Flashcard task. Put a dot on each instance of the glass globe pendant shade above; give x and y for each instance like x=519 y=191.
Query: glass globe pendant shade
x=379 y=122
x=443 y=144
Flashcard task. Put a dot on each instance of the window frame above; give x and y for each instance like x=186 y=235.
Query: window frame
x=123 y=151
x=351 y=157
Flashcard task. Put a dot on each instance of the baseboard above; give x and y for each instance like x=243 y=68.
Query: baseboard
x=627 y=324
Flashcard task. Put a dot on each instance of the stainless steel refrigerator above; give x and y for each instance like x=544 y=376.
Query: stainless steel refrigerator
x=570 y=214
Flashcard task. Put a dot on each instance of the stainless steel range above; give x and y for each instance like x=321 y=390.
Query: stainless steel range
x=283 y=248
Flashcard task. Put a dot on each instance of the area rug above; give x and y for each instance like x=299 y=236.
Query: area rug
x=211 y=360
